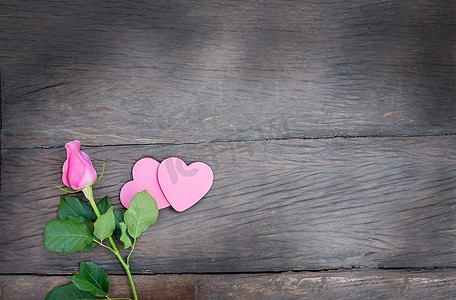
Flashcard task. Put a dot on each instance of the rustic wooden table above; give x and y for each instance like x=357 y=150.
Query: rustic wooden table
x=330 y=126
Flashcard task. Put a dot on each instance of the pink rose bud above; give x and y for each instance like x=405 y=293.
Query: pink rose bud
x=78 y=171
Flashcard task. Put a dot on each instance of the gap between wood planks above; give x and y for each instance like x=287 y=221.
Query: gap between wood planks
x=341 y=269
x=244 y=140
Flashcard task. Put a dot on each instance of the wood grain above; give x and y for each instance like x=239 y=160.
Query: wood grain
x=142 y=72
x=274 y=206
x=322 y=285
x=258 y=90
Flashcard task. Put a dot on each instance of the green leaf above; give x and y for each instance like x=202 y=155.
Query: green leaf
x=78 y=219
x=69 y=292
x=66 y=236
x=105 y=225
x=70 y=206
x=83 y=284
x=119 y=216
x=82 y=220
x=88 y=247
x=95 y=274
x=103 y=205
x=142 y=213
x=125 y=237
x=89 y=225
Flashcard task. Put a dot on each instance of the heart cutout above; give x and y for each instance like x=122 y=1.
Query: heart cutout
x=144 y=178
x=184 y=185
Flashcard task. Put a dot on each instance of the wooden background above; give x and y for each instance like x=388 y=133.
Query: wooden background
x=330 y=127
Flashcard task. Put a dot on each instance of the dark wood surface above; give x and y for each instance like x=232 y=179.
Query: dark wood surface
x=330 y=126
x=440 y=284
x=274 y=206
x=140 y=72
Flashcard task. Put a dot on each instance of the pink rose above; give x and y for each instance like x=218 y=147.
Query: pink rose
x=78 y=171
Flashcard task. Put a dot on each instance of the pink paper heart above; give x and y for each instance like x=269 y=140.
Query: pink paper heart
x=144 y=178
x=184 y=185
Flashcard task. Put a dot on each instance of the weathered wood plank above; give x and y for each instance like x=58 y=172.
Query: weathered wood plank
x=274 y=206
x=139 y=72
x=322 y=285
